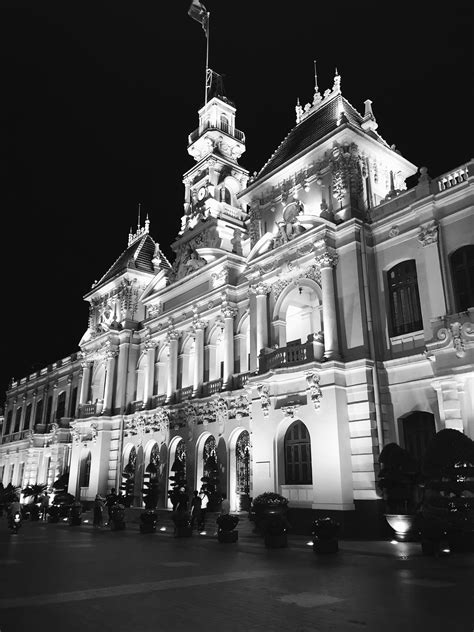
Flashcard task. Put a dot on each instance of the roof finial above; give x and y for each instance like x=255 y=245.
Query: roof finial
x=337 y=82
x=369 y=123
x=299 y=111
x=317 y=96
x=147 y=224
x=139 y=212
x=130 y=236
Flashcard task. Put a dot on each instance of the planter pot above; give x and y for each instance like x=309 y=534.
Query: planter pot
x=403 y=526
x=184 y=532
x=329 y=545
x=227 y=537
x=276 y=541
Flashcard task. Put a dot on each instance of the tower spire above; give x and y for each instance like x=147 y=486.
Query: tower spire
x=139 y=213
x=317 y=95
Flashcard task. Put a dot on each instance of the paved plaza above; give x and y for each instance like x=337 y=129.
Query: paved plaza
x=57 y=577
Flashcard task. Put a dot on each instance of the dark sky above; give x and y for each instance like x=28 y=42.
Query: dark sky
x=97 y=100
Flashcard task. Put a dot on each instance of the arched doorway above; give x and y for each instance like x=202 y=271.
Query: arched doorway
x=177 y=474
x=210 y=471
x=298 y=313
x=139 y=471
x=151 y=478
x=242 y=470
x=128 y=476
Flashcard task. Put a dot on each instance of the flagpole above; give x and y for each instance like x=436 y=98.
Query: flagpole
x=207 y=57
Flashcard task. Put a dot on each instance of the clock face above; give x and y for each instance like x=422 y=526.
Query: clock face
x=201 y=193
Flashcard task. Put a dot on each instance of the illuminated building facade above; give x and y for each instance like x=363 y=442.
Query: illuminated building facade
x=313 y=313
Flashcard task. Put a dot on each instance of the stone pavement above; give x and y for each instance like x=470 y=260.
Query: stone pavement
x=57 y=577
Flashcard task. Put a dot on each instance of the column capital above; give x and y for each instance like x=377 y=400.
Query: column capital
x=150 y=344
x=328 y=258
x=198 y=324
x=86 y=364
x=260 y=289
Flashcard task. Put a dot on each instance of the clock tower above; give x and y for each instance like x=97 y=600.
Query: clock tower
x=213 y=216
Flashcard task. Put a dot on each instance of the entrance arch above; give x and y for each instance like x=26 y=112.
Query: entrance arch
x=240 y=462
x=294 y=467
x=298 y=312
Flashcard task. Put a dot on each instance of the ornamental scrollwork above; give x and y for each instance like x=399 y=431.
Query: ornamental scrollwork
x=428 y=234
x=290 y=411
x=327 y=259
x=459 y=334
x=313 y=389
x=264 y=393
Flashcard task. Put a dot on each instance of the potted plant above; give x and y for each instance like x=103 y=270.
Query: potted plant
x=182 y=524
x=75 y=513
x=325 y=535
x=53 y=513
x=33 y=492
x=117 y=517
x=448 y=503
x=269 y=511
x=398 y=477
x=226 y=531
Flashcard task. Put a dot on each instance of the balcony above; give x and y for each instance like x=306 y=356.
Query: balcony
x=15 y=436
x=236 y=133
x=184 y=394
x=239 y=381
x=88 y=410
x=293 y=354
x=214 y=386
x=158 y=400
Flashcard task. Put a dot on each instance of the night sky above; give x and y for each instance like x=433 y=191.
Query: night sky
x=97 y=100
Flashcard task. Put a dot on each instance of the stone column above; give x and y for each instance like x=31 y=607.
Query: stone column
x=54 y=402
x=67 y=412
x=23 y=412
x=122 y=363
x=111 y=355
x=45 y=405
x=261 y=290
x=85 y=384
x=228 y=314
x=172 y=337
x=327 y=261
x=198 y=372
x=33 y=409
x=428 y=238
x=150 y=372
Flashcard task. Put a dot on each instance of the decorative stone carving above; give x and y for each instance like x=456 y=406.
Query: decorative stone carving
x=159 y=421
x=394 y=232
x=346 y=172
x=260 y=289
x=154 y=310
x=221 y=414
x=459 y=334
x=254 y=225
x=290 y=411
x=313 y=389
x=172 y=333
x=220 y=278
x=264 y=393
x=327 y=259
x=238 y=407
x=428 y=234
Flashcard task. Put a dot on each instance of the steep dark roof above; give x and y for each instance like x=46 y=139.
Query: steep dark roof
x=310 y=130
x=138 y=256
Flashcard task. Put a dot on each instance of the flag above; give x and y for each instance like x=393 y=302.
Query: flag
x=199 y=13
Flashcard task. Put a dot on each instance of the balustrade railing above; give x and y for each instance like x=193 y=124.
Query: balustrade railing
x=449 y=180
x=214 y=386
x=15 y=436
x=184 y=393
x=87 y=410
x=158 y=400
x=137 y=405
x=290 y=355
x=241 y=380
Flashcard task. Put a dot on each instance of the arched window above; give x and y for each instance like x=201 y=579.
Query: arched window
x=224 y=123
x=49 y=408
x=85 y=471
x=17 y=420
x=418 y=430
x=298 y=455
x=39 y=412
x=462 y=270
x=9 y=422
x=61 y=407
x=73 y=402
x=28 y=416
x=405 y=310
